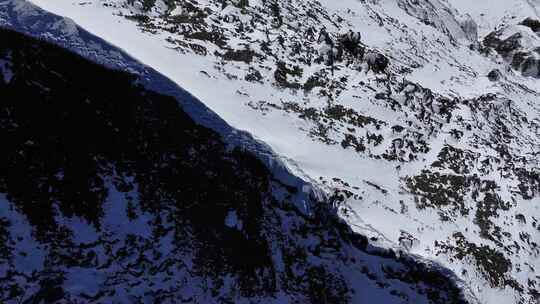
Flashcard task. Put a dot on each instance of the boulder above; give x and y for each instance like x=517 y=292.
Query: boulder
x=533 y=24
x=494 y=75
x=377 y=62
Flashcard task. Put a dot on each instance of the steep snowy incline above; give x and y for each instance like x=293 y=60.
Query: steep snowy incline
x=25 y=17
x=119 y=187
x=422 y=131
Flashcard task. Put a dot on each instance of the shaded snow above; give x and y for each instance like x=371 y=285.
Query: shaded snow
x=29 y=255
x=232 y=220
x=5 y=70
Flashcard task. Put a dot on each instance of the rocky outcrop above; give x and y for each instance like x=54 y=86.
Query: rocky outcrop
x=519 y=45
x=437 y=14
x=494 y=75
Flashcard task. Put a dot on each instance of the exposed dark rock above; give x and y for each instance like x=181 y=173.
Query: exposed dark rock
x=504 y=47
x=494 y=75
x=377 y=62
x=283 y=73
x=352 y=44
x=492 y=263
x=246 y=55
x=533 y=24
x=511 y=48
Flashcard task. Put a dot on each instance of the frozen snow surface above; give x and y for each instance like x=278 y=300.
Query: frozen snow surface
x=431 y=156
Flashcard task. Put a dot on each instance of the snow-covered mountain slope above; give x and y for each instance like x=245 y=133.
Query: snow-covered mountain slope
x=403 y=128
x=117 y=186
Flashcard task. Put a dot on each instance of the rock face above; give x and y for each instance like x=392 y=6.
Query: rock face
x=533 y=24
x=437 y=14
x=111 y=193
x=494 y=75
x=376 y=62
x=519 y=45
